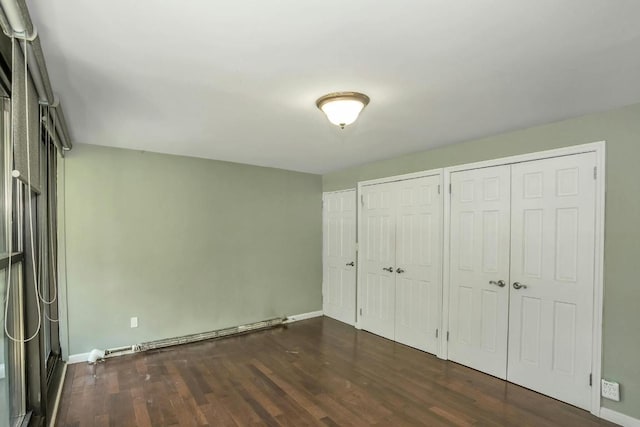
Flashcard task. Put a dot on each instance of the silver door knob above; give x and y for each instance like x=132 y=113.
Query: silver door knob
x=389 y=269
x=399 y=270
x=518 y=285
x=499 y=283
x=351 y=263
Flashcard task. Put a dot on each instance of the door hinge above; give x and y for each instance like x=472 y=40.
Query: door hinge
x=590 y=380
x=438 y=188
x=447 y=335
x=357 y=247
x=595 y=172
x=449 y=188
x=362 y=199
x=436 y=333
x=360 y=312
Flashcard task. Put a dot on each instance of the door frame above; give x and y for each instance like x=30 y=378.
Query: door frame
x=422 y=174
x=599 y=148
x=324 y=224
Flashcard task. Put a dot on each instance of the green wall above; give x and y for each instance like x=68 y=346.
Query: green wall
x=621 y=130
x=188 y=245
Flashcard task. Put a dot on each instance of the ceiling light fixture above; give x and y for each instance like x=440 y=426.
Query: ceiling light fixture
x=342 y=108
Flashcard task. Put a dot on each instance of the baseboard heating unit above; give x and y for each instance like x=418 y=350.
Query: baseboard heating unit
x=235 y=330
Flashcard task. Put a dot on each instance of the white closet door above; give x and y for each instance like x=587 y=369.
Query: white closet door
x=479 y=269
x=377 y=257
x=552 y=259
x=418 y=262
x=339 y=275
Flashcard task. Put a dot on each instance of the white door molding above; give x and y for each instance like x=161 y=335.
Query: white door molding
x=599 y=148
x=404 y=177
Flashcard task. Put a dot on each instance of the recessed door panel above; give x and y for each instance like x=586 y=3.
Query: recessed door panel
x=489 y=327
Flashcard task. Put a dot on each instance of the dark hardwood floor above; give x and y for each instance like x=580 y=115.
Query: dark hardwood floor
x=314 y=372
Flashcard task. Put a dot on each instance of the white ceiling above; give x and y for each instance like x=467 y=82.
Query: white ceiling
x=237 y=80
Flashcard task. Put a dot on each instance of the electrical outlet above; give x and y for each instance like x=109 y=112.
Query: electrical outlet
x=134 y=322
x=610 y=390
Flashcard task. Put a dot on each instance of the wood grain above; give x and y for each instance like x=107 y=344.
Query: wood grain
x=314 y=372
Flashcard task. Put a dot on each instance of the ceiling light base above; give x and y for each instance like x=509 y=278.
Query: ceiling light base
x=342 y=108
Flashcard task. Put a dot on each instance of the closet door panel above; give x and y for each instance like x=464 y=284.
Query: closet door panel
x=479 y=265
x=377 y=259
x=552 y=258
x=339 y=276
x=418 y=262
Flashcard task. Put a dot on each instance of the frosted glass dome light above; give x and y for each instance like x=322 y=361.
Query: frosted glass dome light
x=342 y=108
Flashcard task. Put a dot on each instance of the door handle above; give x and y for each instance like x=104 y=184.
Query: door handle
x=499 y=283
x=399 y=270
x=351 y=263
x=389 y=269
x=518 y=285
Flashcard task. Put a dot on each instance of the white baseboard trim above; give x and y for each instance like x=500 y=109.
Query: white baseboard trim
x=84 y=357
x=303 y=316
x=619 y=418
x=56 y=405
x=78 y=358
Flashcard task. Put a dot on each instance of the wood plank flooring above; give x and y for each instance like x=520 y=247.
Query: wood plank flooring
x=313 y=372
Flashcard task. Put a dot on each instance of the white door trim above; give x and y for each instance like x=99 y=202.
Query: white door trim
x=599 y=148
x=402 y=177
x=538 y=155
x=601 y=190
x=431 y=172
x=337 y=191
